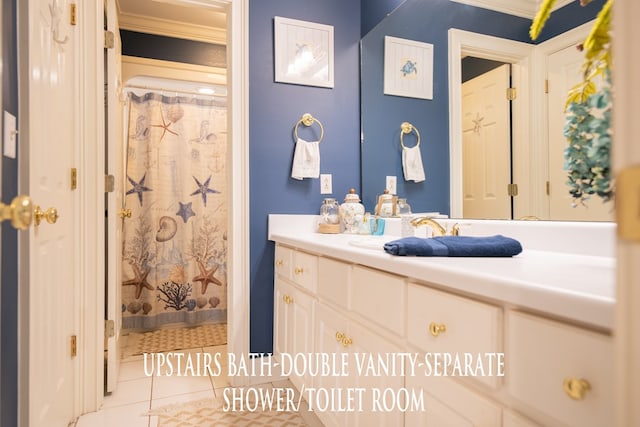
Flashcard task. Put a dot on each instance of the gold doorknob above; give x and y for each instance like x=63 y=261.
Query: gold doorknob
x=19 y=211
x=50 y=215
x=576 y=388
x=125 y=213
x=437 y=329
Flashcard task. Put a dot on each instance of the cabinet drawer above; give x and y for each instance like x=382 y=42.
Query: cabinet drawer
x=465 y=327
x=304 y=270
x=282 y=261
x=543 y=354
x=378 y=296
x=333 y=281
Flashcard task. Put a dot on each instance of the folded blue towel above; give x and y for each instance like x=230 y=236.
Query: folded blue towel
x=455 y=246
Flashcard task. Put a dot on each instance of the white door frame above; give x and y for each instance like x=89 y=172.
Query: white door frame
x=626 y=153
x=518 y=54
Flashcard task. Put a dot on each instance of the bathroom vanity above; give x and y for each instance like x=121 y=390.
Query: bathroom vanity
x=548 y=312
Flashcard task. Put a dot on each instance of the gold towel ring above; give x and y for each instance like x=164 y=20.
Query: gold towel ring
x=308 y=120
x=407 y=127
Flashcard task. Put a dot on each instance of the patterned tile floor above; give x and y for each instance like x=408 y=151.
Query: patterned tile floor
x=141 y=400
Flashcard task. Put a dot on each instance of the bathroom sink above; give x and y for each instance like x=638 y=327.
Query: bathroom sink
x=371 y=242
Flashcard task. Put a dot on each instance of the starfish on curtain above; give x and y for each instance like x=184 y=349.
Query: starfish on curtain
x=185 y=212
x=139 y=281
x=204 y=189
x=138 y=187
x=206 y=277
x=164 y=126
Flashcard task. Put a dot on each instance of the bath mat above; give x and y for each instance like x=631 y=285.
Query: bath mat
x=209 y=413
x=171 y=339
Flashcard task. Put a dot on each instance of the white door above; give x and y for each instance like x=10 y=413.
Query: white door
x=115 y=168
x=564 y=71
x=486 y=145
x=53 y=97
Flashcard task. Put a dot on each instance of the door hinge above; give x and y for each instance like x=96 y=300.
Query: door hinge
x=74 y=178
x=74 y=346
x=73 y=19
x=109 y=39
x=628 y=204
x=109 y=183
x=548 y=188
x=109 y=328
x=546 y=85
x=512 y=190
x=511 y=93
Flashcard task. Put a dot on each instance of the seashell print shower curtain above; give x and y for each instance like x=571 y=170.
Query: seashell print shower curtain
x=175 y=242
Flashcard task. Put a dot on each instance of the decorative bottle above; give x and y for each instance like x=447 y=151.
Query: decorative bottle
x=329 y=216
x=350 y=210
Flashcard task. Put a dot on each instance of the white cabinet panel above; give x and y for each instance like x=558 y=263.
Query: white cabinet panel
x=333 y=281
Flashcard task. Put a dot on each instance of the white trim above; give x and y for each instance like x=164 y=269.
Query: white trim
x=626 y=153
x=522 y=8
x=144 y=67
x=520 y=55
x=539 y=108
x=238 y=331
x=90 y=268
x=165 y=27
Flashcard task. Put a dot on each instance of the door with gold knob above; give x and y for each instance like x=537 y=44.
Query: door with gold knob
x=50 y=126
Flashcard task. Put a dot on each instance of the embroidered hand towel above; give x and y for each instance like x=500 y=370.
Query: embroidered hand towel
x=306 y=160
x=455 y=246
x=412 y=164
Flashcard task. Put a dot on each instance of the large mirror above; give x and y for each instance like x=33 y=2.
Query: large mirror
x=459 y=126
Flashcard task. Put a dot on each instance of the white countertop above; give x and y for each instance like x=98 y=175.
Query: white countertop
x=571 y=286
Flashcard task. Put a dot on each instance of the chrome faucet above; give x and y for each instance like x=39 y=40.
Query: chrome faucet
x=438 y=230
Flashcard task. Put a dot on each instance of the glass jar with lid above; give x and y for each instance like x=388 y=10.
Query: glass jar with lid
x=329 y=216
x=350 y=211
x=403 y=207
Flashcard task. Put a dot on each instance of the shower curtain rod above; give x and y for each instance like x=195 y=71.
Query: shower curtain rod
x=164 y=90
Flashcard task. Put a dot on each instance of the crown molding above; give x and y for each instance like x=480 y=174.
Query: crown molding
x=165 y=27
x=522 y=8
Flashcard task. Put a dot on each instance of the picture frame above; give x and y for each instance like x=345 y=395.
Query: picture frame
x=303 y=52
x=408 y=68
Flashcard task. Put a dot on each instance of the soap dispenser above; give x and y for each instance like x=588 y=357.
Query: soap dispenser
x=350 y=211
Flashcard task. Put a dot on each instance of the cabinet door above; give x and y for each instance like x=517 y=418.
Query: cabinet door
x=328 y=324
x=282 y=326
x=384 y=391
x=305 y=270
x=282 y=261
x=300 y=326
x=450 y=404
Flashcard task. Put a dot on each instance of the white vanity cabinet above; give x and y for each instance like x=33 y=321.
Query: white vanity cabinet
x=555 y=373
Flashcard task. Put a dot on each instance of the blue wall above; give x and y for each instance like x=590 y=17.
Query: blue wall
x=9 y=280
x=274 y=109
x=374 y=11
x=428 y=21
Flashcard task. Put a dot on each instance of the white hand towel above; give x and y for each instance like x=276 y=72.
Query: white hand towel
x=412 y=164
x=306 y=160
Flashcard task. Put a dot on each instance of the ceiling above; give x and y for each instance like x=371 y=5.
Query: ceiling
x=201 y=20
x=523 y=8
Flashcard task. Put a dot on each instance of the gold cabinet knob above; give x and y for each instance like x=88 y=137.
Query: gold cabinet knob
x=346 y=342
x=437 y=328
x=19 y=211
x=339 y=336
x=298 y=270
x=576 y=388
x=124 y=213
x=279 y=263
x=50 y=215
x=287 y=299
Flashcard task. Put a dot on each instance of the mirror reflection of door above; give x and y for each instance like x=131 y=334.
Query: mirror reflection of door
x=563 y=72
x=486 y=139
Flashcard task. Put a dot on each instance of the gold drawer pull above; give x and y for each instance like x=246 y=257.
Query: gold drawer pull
x=279 y=263
x=346 y=342
x=576 y=388
x=437 y=329
x=298 y=270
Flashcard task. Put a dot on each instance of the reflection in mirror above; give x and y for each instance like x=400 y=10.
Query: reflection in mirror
x=528 y=165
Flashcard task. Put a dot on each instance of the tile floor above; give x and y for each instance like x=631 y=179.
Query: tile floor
x=136 y=394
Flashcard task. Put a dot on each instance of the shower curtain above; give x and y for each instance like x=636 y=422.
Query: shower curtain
x=175 y=242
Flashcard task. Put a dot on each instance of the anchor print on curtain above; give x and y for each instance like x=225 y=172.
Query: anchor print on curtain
x=175 y=243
